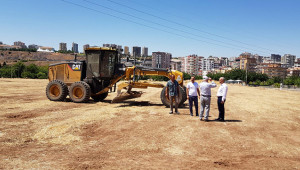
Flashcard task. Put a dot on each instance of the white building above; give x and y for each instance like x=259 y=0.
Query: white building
x=46 y=49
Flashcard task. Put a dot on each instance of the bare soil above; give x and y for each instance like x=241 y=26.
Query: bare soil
x=261 y=131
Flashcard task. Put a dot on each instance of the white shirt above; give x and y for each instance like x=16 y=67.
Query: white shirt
x=192 y=88
x=222 y=91
x=205 y=88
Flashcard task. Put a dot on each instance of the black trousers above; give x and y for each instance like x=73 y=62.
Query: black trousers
x=221 y=108
x=195 y=100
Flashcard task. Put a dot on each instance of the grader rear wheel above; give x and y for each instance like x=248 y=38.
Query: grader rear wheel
x=56 y=90
x=80 y=92
x=166 y=101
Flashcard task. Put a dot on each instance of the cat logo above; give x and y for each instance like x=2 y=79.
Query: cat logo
x=178 y=78
x=76 y=67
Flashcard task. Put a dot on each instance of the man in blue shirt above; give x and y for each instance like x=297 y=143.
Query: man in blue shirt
x=172 y=93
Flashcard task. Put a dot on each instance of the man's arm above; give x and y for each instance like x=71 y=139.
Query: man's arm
x=167 y=91
x=177 y=89
x=224 y=94
x=198 y=92
x=187 y=93
x=213 y=84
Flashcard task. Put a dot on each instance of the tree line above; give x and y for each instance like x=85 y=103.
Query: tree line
x=256 y=79
x=20 y=70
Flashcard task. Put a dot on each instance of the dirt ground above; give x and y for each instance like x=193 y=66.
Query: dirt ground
x=262 y=131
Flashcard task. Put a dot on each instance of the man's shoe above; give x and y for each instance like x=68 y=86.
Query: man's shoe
x=217 y=119
x=205 y=120
x=170 y=112
x=177 y=112
x=197 y=115
x=201 y=119
x=221 y=120
x=192 y=115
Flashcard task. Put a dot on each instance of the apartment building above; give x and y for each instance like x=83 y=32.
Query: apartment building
x=145 y=51
x=21 y=44
x=288 y=59
x=274 y=70
x=191 y=64
x=136 y=51
x=75 y=47
x=176 y=64
x=63 y=47
x=126 y=50
x=161 y=59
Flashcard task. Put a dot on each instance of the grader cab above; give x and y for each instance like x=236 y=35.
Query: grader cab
x=97 y=76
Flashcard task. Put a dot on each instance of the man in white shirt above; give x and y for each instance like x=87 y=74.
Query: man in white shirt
x=222 y=93
x=192 y=89
x=205 y=89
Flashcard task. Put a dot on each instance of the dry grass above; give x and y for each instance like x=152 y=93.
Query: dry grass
x=262 y=131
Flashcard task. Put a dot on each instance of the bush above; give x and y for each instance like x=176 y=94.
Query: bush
x=276 y=85
x=41 y=75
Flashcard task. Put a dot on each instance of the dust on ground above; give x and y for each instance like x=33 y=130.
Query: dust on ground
x=262 y=130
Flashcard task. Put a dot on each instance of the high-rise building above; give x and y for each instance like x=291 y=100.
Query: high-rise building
x=21 y=44
x=145 y=51
x=192 y=64
x=126 y=50
x=161 y=59
x=276 y=58
x=248 y=62
x=85 y=47
x=63 y=47
x=75 y=47
x=208 y=64
x=136 y=51
x=288 y=59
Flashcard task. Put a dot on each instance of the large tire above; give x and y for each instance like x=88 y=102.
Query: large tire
x=185 y=96
x=80 y=92
x=166 y=101
x=100 y=97
x=56 y=90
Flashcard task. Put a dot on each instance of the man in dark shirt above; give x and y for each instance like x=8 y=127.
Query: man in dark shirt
x=172 y=93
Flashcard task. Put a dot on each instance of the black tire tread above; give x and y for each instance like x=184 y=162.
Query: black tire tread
x=86 y=88
x=63 y=87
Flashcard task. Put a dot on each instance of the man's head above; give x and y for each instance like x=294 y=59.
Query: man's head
x=221 y=80
x=172 y=77
x=193 y=79
x=205 y=78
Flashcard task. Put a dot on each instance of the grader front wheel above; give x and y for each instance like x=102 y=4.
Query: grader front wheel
x=166 y=101
x=80 y=92
x=56 y=90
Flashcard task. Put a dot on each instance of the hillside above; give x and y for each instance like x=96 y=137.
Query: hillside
x=41 y=58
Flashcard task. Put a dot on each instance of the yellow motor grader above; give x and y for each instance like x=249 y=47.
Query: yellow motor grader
x=97 y=76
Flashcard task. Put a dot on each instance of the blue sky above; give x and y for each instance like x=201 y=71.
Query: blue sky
x=181 y=27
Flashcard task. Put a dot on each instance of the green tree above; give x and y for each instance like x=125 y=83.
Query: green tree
x=18 y=69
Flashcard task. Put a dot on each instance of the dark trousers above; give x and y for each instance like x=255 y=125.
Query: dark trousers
x=195 y=100
x=221 y=108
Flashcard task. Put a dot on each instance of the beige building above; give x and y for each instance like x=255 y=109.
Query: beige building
x=274 y=70
x=176 y=64
x=126 y=50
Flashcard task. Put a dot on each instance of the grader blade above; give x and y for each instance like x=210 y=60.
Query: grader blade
x=126 y=95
